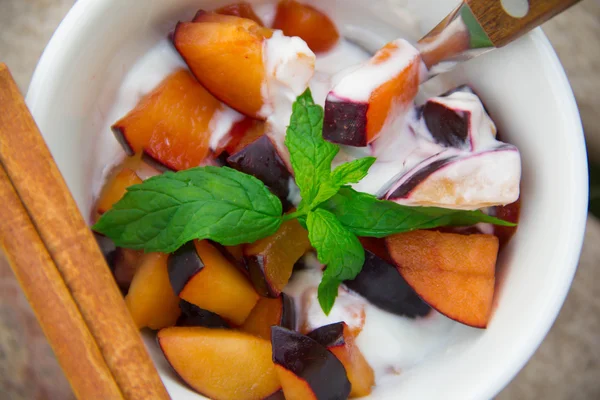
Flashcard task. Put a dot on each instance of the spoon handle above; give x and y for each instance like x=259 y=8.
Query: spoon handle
x=502 y=28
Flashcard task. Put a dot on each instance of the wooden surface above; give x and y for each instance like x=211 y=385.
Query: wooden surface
x=58 y=314
x=502 y=28
x=71 y=245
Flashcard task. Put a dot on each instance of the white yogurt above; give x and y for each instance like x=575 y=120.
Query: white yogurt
x=390 y=343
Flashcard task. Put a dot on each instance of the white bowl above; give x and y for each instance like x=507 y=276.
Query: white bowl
x=523 y=85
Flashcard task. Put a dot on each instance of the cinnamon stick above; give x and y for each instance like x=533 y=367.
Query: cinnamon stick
x=72 y=342
x=70 y=243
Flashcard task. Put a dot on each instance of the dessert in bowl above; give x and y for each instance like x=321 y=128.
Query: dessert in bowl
x=152 y=58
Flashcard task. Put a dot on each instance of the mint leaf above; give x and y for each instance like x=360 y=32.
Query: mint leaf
x=327 y=293
x=365 y=215
x=336 y=247
x=310 y=154
x=353 y=171
x=216 y=203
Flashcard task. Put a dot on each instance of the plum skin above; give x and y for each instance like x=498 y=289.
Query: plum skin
x=383 y=286
x=345 y=122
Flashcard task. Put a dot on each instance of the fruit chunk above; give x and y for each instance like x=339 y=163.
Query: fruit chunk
x=261 y=160
x=192 y=315
x=171 y=123
x=348 y=307
x=126 y=264
x=242 y=9
x=269 y=312
x=472 y=181
x=219 y=363
x=201 y=275
x=381 y=284
x=271 y=260
x=367 y=97
x=242 y=133
x=306 y=369
x=150 y=299
x=338 y=339
x=457 y=119
x=116 y=189
x=510 y=213
x=308 y=23
x=226 y=55
x=453 y=273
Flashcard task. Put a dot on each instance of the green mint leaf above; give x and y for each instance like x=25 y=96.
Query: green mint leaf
x=327 y=293
x=336 y=247
x=310 y=154
x=216 y=203
x=365 y=215
x=353 y=171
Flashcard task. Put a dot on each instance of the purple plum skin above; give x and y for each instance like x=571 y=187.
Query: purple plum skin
x=311 y=362
x=345 y=123
x=261 y=160
x=183 y=265
x=192 y=315
x=382 y=285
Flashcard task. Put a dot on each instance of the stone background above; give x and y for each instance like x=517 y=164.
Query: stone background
x=566 y=366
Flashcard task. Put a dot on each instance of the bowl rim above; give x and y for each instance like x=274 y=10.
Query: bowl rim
x=52 y=58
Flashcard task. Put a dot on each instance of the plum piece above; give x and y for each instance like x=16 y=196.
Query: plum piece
x=150 y=299
x=241 y=134
x=201 y=275
x=171 y=123
x=242 y=9
x=233 y=254
x=108 y=248
x=269 y=312
x=511 y=213
x=306 y=369
x=308 y=23
x=261 y=160
x=338 y=339
x=381 y=284
x=221 y=364
x=126 y=265
x=192 y=315
x=455 y=274
x=471 y=181
x=115 y=189
x=366 y=98
x=271 y=260
x=456 y=119
x=225 y=54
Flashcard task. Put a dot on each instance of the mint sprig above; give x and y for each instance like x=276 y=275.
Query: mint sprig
x=217 y=203
x=230 y=207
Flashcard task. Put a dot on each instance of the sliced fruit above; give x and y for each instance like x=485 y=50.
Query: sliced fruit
x=510 y=213
x=456 y=119
x=348 y=307
x=261 y=160
x=338 y=339
x=380 y=282
x=226 y=55
x=306 y=369
x=108 y=248
x=126 y=264
x=219 y=363
x=192 y=315
x=471 y=181
x=171 y=123
x=365 y=98
x=271 y=260
x=453 y=273
x=269 y=312
x=150 y=299
x=242 y=9
x=308 y=23
x=242 y=133
x=201 y=275
x=114 y=190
